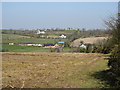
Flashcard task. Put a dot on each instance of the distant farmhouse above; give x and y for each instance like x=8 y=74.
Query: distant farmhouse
x=62 y=36
x=40 y=32
x=11 y=43
x=83 y=46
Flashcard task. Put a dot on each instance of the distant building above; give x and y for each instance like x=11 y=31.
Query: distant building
x=62 y=36
x=30 y=44
x=40 y=32
x=48 y=45
x=11 y=43
x=83 y=46
x=61 y=43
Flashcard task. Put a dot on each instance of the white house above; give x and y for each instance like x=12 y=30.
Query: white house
x=83 y=46
x=11 y=43
x=40 y=32
x=62 y=36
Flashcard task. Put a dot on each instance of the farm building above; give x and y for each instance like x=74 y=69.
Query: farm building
x=56 y=46
x=83 y=46
x=30 y=44
x=48 y=45
x=62 y=36
x=61 y=43
x=11 y=43
x=40 y=32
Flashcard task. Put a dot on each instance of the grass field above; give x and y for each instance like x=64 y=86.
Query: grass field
x=12 y=38
x=17 y=48
x=57 y=33
x=52 y=70
x=8 y=38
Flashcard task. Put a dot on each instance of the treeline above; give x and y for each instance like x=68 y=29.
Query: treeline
x=19 y=32
x=71 y=34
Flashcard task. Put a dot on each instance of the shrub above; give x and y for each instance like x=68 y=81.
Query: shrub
x=4 y=50
x=114 y=64
x=78 y=49
x=82 y=50
x=114 y=60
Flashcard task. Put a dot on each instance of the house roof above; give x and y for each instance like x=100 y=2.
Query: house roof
x=49 y=44
x=60 y=42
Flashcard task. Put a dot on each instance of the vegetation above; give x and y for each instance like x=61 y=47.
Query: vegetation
x=17 y=48
x=17 y=39
x=7 y=38
x=52 y=70
x=111 y=47
x=114 y=58
x=21 y=36
x=33 y=33
x=87 y=33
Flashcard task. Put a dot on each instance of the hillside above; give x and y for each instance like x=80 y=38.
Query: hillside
x=88 y=40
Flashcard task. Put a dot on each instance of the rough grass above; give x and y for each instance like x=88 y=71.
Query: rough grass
x=52 y=70
x=90 y=40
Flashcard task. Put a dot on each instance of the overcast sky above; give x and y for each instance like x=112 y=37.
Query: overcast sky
x=32 y=15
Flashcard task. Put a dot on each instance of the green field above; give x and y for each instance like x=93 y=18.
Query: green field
x=12 y=38
x=17 y=48
x=52 y=70
x=66 y=32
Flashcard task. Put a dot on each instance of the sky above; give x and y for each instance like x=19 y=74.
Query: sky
x=33 y=15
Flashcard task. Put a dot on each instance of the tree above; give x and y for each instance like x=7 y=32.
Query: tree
x=114 y=58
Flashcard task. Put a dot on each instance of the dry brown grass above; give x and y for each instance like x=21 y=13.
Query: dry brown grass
x=89 y=40
x=51 y=70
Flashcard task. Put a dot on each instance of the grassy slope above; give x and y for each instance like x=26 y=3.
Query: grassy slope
x=52 y=70
x=90 y=40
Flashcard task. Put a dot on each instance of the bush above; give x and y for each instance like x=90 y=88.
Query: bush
x=97 y=49
x=114 y=60
x=56 y=49
x=4 y=50
x=67 y=44
x=78 y=49
x=89 y=48
x=82 y=50
x=114 y=64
